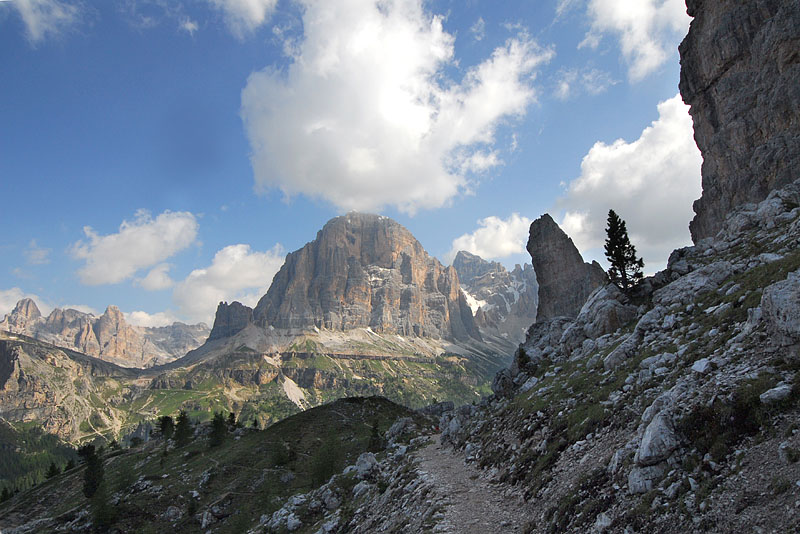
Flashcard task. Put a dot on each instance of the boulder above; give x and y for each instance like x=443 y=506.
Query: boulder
x=658 y=442
x=780 y=309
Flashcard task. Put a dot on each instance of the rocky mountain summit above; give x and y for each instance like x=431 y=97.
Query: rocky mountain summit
x=740 y=65
x=108 y=337
x=503 y=303
x=367 y=271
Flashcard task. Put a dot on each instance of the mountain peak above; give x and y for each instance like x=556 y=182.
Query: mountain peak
x=366 y=270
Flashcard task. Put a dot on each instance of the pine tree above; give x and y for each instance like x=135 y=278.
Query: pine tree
x=218 y=430
x=183 y=430
x=232 y=420
x=53 y=470
x=93 y=476
x=166 y=426
x=626 y=269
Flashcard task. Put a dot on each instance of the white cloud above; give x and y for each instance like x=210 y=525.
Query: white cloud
x=364 y=116
x=10 y=297
x=571 y=82
x=650 y=182
x=244 y=16
x=478 y=29
x=139 y=244
x=45 y=18
x=235 y=273
x=141 y=318
x=188 y=25
x=496 y=238
x=157 y=278
x=648 y=30
x=36 y=255
x=565 y=6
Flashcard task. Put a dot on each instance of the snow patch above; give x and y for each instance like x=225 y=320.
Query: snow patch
x=473 y=303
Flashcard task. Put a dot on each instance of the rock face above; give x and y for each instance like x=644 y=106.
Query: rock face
x=565 y=280
x=230 y=319
x=108 y=337
x=503 y=302
x=740 y=63
x=367 y=271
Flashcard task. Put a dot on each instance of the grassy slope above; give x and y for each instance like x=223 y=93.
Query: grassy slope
x=246 y=477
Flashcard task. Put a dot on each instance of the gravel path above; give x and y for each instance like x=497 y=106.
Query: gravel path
x=472 y=505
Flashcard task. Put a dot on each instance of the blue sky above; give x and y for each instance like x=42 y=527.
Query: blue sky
x=163 y=156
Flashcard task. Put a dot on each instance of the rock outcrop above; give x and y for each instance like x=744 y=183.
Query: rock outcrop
x=367 y=271
x=740 y=63
x=230 y=319
x=108 y=337
x=565 y=280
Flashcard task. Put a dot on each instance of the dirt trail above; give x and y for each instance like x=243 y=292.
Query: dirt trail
x=472 y=505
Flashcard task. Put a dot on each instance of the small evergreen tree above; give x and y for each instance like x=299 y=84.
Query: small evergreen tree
x=166 y=426
x=625 y=269
x=53 y=470
x=70 y=465
x=232 y=420
x=93 y=475
x=183 y=430
x=255 y=423
x=218 y=430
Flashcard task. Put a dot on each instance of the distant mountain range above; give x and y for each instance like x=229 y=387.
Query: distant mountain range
x=108 y=337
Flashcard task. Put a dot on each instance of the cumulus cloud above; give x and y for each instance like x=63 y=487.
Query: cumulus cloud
x=45 y=18
x=157 y=278
x=139 y=244
x=364 y=116
x=650 y=182
x=648 y=30
x=495 y=238
x=36 y=255
x=572 y=82
x=235 y=273
x=10 y=297
x=141 y=318
x=245 y=16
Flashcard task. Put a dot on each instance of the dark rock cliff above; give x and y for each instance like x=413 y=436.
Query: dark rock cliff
x=740 y=66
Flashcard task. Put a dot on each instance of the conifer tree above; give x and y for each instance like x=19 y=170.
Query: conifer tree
x=53 y=470
x=166 y=426
x=218 y=430
x=183 y=429
x=625 y=269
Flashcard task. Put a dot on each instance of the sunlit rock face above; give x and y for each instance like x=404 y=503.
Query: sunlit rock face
x=367 y=271
x=740 y=63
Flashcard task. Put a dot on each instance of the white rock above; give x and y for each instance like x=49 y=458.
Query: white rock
x=658 y=441
x=776 y=394
x=702 y=366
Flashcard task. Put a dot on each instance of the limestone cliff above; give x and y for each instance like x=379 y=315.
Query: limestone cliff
x=108 y=337
x=367 y=271
x=565 y=280
x=230 y=319
x=740 y=66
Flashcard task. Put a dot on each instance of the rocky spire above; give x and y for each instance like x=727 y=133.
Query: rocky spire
x=565 y=280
